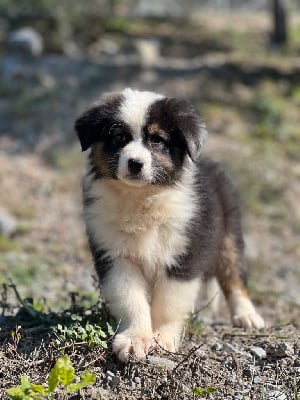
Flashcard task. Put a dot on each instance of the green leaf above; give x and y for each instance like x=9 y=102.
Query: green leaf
x=103 y=344
x=76 y=317
x=38 y=390
x=52 y=380
x=60 y=327
x=102 y=334
x=26 y=391
x=203 y=391
x=86 y=379
x=25 y=384
x=62 y=372
x=15 y=393
x=110 y=330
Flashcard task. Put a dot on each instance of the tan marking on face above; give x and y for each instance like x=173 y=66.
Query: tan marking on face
x=164 y=161
x=100 y=160
x=229 y=267
x=155 y=129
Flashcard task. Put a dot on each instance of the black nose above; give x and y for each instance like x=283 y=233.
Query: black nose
x=135 y=166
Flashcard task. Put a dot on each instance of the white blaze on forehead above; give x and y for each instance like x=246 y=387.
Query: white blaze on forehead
x=134 y=108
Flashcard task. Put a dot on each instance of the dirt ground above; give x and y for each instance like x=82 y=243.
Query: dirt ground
x=250 y=101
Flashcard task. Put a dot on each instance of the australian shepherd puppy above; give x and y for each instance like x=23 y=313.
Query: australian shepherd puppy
x=160 y=219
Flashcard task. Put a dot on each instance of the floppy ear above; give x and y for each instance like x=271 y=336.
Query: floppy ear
x=191 y=128
x=90 y=125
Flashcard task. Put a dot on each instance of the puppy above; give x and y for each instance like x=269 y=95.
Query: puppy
x=159 y=218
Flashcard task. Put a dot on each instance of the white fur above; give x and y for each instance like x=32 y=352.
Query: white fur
x=172 y=301
x=127 y=292
x=135 y=150
x=243 y=313
x=143 y=231
x=146 y=225
x=134 y=109
x=148 y=316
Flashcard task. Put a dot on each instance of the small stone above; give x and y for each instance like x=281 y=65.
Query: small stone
x=110 y=374
x=275 y=395
x=229 y=348
x=217 y=347
x=256 y=379
x=238 y=396
x=163 y=362
x=283 y=349
x=230 y=363
x=115 y=381
x=137 y=379
x=258 y=352
x=133 y=385
x=8 y=224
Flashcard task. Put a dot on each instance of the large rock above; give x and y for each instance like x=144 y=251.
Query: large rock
x=25 y=41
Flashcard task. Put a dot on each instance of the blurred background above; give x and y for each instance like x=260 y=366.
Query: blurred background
x=238 y=61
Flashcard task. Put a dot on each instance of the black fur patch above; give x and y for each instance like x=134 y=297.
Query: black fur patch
x=91 y=125
x=103 y=263
x=182 y=122
x=218 y=215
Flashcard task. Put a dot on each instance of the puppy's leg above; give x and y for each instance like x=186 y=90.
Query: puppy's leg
x=209 y=298
x=229 y=270
x=171 y=303
x=125 y=289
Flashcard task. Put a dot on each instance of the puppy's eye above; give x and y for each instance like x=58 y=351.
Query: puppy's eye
x=159 y=143
x=156 y=139
x=118 y=135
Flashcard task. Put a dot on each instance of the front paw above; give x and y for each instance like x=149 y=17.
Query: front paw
x=168 y=338
x=132 y=344
x=251 y=320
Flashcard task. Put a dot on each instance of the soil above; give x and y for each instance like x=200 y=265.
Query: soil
x=48 y=258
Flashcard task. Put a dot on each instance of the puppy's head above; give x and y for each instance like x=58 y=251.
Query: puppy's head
x=141 y=137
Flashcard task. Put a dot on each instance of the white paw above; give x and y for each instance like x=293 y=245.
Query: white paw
x=251 y=320
x=167 y=339
x=132 y=344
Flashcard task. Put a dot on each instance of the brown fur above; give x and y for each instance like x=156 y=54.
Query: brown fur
x=229 y=268
x=155 y=129
x=100 y=160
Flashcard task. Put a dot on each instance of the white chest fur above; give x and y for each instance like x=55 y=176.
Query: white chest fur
x=146 y=225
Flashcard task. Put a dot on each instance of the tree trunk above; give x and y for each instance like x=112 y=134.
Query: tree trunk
x=279 y=36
